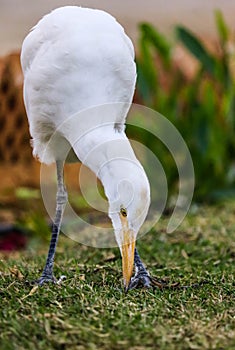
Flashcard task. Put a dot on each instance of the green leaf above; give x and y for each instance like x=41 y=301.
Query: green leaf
x=158 y=41
x=222 y=28
x=147 y=72
x=196 y=48
x=224 y=66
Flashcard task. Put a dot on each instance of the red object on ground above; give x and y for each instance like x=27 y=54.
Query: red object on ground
x=12 y=239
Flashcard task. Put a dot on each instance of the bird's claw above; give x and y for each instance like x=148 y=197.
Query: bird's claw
x=49 y=279
x=144 y=280
x=140 y=280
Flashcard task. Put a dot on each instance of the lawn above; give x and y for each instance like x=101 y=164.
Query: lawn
x=89 y=310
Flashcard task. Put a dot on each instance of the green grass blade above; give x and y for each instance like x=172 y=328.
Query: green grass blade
x=196 y=48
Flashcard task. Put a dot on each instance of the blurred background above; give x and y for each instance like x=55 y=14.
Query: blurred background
x=185 y=54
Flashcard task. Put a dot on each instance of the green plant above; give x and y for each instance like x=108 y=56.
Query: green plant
x=202 y=108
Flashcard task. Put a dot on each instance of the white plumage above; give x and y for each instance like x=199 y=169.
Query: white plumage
x=79 y=81
x=73 y=59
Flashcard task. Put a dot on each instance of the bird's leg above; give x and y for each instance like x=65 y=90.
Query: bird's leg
x=141 y=277
x=61 y=200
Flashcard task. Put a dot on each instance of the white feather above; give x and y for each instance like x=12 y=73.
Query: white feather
x=74 y=59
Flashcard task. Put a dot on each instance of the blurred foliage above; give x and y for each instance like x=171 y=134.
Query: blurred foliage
x=35 y=224
x=202 y=108
x=25 y=193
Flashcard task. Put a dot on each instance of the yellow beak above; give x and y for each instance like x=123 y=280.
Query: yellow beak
x=128 y=250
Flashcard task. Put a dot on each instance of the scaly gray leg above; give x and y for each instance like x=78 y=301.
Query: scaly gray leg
x=141 y=277
x=61 y=200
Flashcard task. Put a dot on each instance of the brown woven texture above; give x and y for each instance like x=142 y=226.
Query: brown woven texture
x=14 y=140
x=17 y=166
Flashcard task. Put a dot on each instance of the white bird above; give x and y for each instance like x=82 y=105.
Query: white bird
x=73 y=60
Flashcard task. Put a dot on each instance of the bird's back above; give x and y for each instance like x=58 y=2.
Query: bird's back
x=69 y=25
x=73 y=59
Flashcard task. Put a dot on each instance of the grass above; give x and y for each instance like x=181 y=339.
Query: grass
x=91 y=311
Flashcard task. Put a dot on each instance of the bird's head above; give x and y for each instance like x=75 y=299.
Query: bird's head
x=128 y=208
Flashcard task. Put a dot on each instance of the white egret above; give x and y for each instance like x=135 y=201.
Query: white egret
x=74 y=59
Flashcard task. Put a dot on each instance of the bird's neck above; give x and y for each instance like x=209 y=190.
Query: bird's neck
x=108 y=153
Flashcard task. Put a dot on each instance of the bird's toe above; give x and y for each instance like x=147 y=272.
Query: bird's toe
x=140 y=280
x=144 y=280
x=49 y=279
x=45 y=279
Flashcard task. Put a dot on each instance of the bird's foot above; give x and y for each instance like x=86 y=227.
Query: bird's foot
x=142 y=279
x=48 y=279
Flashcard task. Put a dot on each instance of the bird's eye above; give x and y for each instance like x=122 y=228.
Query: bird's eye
x=123 y=212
